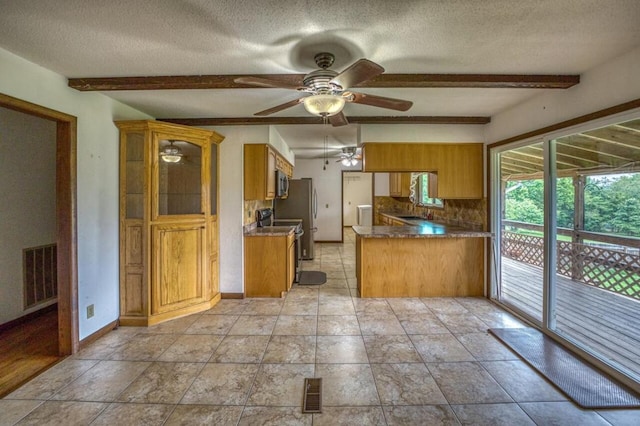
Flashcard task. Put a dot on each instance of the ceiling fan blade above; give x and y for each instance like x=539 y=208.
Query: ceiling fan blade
x=381 y=101
x=279 y=107
x=338 y=120
x=358 y=72
x=265 y=82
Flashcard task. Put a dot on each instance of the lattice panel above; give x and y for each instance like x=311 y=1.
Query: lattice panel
x=566 y=260
x=524 y=248
x=611 y=270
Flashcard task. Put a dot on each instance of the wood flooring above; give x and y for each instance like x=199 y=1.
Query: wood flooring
x=598 y=319
x=28 y=349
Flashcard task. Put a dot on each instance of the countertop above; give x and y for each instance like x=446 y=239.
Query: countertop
x=417 y=228
x=270 y=231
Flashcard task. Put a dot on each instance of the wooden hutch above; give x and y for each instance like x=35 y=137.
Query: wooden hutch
x=168 y=221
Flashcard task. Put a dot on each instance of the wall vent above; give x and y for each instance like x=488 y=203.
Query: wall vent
x=39 y=265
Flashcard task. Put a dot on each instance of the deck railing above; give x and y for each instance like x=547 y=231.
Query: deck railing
x=615 y=268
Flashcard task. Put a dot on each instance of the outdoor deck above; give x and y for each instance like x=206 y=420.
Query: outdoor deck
x=604 y=321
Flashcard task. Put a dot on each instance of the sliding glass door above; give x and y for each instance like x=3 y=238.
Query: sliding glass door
x=520 y=200
x=597 y=298
x=566 y=216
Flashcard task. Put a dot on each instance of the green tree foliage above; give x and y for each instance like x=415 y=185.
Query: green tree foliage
x=564 y=202
x=524 y=201
x=612 y=203
x=524 y=211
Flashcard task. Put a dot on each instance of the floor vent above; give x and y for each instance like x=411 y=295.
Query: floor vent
x=312 y=396
x=40 y=274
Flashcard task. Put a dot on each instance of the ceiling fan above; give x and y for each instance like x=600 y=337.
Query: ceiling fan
x=328 y=90
x=350 y=156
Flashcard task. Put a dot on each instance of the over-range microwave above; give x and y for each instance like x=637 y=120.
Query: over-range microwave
x=282 y=184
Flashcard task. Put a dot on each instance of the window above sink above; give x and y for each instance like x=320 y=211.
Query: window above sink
x=424 y=190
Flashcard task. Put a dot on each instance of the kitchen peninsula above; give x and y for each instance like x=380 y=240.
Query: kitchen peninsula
x=419 y=259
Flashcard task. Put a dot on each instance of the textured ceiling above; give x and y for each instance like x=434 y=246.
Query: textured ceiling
x=90 y=38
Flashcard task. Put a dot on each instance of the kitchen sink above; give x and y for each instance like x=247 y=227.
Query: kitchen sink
x=411 y=217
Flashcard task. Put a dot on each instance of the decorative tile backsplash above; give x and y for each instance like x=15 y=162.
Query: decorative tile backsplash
x=468 y=213
x=250 y=208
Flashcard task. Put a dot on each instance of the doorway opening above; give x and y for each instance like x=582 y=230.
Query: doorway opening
x=64 y=318
x=357 y=198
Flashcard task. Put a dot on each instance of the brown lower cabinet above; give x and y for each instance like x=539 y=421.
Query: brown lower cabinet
x=420 y=267
x=269 y=268
x=385 y=220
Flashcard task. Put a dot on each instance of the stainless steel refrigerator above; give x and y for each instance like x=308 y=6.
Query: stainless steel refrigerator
x=302 y=203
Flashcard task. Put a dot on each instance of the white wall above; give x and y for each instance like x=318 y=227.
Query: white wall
x=97 y=173
x=381 y=184
x=28 y=194
x=607 y=85
x=232 y=201
x=275 y=140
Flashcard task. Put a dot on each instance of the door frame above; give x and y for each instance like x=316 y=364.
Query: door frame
x=66 y=217
x=342 y=177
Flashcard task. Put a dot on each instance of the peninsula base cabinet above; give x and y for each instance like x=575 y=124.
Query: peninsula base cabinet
x=420 y=267
x=168 y=221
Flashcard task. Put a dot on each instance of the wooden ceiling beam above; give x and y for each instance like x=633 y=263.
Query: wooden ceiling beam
x=633 y=125
x=523 y=158
x=627 y=139
x=506 y=170
x=579 y=144
x=509 y=169
x=243 y=121
x=191 y=82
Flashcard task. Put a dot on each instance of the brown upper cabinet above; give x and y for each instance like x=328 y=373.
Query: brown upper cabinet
x=168 y=221
x=260 y=164
x=399 y=184
x=458 y=166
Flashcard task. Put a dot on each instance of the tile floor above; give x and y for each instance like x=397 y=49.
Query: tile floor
x=383 y=361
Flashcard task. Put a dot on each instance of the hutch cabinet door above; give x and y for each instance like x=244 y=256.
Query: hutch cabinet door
x=179 y=271
x=179 y=185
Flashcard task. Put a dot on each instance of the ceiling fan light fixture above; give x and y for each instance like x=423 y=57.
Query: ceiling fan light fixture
x=324 y=105
x=349 y=156
x=171 y=153
x=349 y=162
